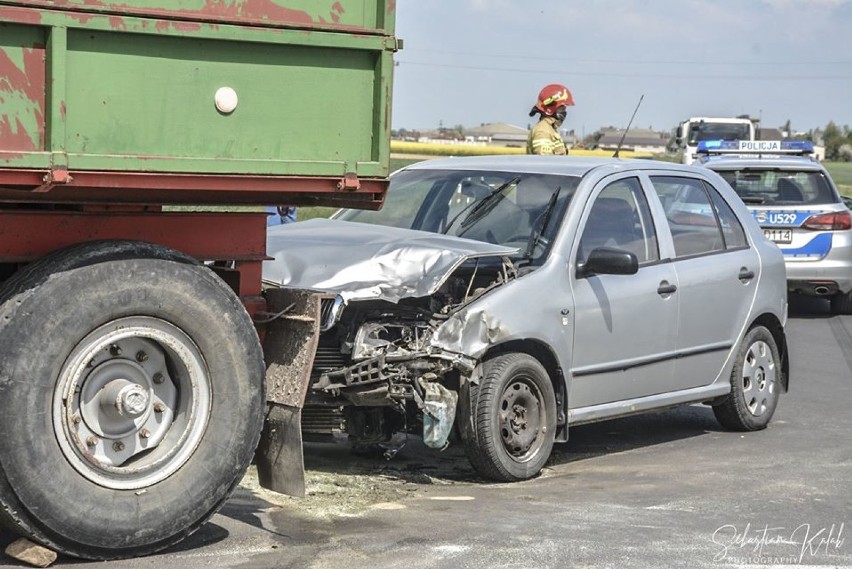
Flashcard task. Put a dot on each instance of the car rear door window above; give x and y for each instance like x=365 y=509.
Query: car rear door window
x=732 y=230
x=692 y=218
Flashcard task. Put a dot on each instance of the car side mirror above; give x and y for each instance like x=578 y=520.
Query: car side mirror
x=609 y=261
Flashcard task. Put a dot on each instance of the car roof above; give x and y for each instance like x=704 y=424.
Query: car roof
x=737 y=162
x=561 y=165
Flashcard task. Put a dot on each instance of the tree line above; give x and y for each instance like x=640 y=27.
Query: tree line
x=837 y=141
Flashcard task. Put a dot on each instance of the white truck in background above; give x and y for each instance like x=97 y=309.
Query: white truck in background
x=695 y=129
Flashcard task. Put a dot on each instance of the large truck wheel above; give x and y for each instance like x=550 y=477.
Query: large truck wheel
x=131 y=401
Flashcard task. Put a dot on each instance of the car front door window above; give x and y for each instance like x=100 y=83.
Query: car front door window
x=625 y=325
x=620 y=218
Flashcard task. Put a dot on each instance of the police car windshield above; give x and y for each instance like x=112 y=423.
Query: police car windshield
x=780 y=187
x=717 y=131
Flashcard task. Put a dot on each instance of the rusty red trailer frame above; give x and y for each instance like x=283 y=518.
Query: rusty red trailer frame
x=96 y=136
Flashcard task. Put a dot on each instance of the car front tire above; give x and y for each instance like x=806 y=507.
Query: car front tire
x=512 y=418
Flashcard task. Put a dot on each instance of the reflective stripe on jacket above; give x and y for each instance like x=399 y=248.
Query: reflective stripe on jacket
x=545 y=139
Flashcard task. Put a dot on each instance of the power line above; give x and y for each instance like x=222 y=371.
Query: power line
x=625 y=61
x=633 y=75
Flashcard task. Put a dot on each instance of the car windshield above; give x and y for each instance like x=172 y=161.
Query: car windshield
x=717 y=131
x=780 y=187
x=506 y=208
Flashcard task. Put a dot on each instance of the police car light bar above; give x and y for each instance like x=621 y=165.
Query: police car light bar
x=798 y=147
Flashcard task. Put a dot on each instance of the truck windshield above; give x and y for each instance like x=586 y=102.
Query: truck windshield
x=434 y=200
x=718 y=131
x=780 y=187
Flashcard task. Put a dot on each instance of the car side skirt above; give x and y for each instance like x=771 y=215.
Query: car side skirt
x=615 y=409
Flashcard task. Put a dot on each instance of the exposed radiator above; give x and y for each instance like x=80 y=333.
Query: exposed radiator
x=323 y=420
x=327 y=358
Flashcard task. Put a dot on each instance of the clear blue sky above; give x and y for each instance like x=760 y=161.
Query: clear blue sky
x=476 y=61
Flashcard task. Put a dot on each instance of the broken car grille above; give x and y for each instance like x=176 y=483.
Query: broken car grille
x=328 y=357
x=329 y=310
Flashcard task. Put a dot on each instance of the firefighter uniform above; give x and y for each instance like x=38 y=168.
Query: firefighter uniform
x=545 y=139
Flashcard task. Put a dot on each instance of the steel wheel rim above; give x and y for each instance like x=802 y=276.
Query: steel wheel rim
x=521 y=419
x=131 y=403
x=759 y=376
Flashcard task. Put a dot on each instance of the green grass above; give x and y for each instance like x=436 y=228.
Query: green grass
x=396 y=163
x=841 y=173
x=304 y=213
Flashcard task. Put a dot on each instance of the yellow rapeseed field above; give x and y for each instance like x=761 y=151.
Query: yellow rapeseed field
x=438 y=149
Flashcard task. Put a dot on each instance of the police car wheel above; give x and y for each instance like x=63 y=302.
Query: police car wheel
x=841 y=303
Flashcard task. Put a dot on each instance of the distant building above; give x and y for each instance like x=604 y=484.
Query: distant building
x=499 y=134
x=764 y=133
x=637 y=140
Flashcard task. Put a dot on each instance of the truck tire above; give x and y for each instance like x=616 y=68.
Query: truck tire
x=85 y=254
x=512 y=424
x=755 y=384
x=131 y=399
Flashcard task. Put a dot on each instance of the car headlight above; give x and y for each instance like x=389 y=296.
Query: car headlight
x=375 y=338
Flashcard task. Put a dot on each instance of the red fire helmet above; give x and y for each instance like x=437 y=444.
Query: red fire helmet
x=552 y=97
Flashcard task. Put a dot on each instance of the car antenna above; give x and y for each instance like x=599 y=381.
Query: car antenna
x=620 y=142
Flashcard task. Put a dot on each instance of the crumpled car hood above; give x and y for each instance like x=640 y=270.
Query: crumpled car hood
x=363 y=261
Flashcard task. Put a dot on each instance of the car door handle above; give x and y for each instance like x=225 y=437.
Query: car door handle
x=746 y=275
x=666 y=288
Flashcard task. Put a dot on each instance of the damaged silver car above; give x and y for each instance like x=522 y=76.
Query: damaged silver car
x=500 y=300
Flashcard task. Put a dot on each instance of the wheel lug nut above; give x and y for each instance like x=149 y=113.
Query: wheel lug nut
x=118 y=446
x=158 y=378
x=141 y=356
x=144 y=434
x=115 y=350
x=91 y=441
x=159 y=407
x=75 y=419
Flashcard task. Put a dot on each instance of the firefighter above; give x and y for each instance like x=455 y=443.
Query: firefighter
x=552 y=106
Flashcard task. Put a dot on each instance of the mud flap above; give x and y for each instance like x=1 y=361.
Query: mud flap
x=280 y=457
x=289 y=348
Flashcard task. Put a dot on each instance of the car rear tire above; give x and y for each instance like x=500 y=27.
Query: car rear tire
x=512 y=424
x=132 y=399
x=755 y=384
x=841 y=303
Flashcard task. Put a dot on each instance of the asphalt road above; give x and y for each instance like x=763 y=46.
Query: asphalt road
x=664 y=490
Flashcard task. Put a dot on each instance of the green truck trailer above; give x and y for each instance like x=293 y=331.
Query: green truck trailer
x=140 y=358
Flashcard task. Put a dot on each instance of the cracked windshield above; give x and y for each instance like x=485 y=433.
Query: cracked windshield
x=515 y=210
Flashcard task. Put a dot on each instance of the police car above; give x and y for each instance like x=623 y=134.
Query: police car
x=795 y=201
